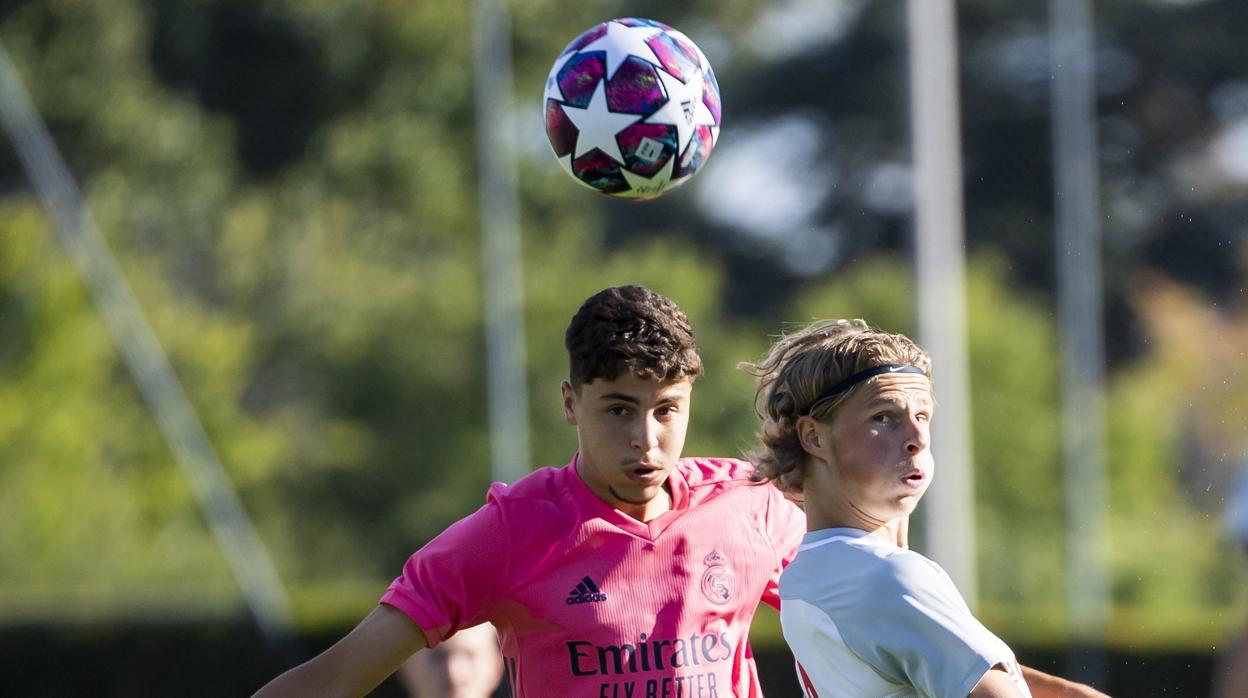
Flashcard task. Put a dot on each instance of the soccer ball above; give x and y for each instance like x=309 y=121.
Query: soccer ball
x=632 y=108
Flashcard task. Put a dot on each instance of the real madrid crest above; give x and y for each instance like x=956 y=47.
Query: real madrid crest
x=718 y=581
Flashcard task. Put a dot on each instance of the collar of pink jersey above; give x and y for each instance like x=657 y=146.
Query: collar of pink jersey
x=677 y=486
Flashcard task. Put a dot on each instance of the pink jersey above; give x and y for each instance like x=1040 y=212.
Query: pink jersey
x=591 y=602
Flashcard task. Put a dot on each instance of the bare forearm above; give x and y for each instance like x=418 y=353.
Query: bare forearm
x=357 y=663
x=303 y=680
x=1044 y=685
x=323 y=678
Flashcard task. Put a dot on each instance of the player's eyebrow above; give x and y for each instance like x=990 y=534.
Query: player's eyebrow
x=633 y=400
x=618 y=397
x=885 y=401
x=674 y=396
x=894 y=399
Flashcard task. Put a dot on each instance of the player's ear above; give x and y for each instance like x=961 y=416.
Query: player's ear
x=569 y=402
x=808 y=435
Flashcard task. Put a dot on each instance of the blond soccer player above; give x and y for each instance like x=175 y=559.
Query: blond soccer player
x=846 y=415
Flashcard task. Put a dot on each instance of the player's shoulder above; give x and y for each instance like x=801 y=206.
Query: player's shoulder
x=541 y=485
x=857 y=561
x=702 y=470
x=904 y=572
x=538 y=505
x=836 y=573
x=850 y=555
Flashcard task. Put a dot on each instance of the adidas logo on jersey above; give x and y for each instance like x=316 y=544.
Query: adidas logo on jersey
x=586 y=592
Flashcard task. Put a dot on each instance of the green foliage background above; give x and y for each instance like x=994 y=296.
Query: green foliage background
x=289 y=187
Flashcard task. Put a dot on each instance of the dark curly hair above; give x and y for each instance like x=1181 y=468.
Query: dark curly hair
x=633 y=329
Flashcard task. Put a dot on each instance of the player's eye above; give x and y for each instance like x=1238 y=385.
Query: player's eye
x=665 y=412
x=882 y=418
x=618 y=411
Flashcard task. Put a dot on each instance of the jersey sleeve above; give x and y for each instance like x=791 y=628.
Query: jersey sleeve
x=786 y=524
x=916 y=629
x=454 y=581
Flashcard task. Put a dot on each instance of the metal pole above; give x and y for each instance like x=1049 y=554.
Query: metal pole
x=76 y=229
x=949 y=507
x=500 y=243
x=1076 y=201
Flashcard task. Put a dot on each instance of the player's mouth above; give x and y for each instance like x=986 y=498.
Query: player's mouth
x=645 y=474
x=914 y=479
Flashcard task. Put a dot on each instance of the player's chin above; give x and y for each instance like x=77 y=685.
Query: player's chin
x=906 y=504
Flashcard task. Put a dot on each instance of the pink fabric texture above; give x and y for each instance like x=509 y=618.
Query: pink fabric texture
x=590 y=602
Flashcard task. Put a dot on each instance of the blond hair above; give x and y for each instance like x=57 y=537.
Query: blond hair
x=797 y=371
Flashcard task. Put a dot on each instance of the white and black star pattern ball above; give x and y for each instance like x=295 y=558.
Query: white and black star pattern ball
x=632 y=108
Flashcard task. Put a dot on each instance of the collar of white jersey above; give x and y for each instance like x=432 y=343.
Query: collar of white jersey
x=824 y=536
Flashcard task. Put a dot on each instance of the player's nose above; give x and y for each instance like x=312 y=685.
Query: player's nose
x=918 y=436
x=645 y=435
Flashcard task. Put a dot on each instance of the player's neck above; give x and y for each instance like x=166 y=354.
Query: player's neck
x=893 y=532
x=651 y=510
x=832 y=512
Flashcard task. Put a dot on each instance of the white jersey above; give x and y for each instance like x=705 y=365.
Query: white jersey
x=867 y=619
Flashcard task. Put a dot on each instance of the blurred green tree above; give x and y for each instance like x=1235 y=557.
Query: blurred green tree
x=290 y=189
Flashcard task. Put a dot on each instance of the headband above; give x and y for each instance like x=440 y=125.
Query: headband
x=857 y=378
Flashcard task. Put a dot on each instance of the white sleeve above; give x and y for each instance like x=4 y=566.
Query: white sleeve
x=914 y=627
